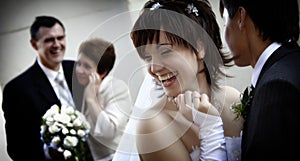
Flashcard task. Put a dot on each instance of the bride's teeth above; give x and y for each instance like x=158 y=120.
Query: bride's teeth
x=166 y=77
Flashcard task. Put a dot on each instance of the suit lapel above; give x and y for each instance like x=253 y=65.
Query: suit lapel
x=75 y=88
x=43 y=85
x=68 y=71
x=278 y=54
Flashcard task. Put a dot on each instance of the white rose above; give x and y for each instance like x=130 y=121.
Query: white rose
x=53 y=129
x=86 y=125
x=65 y=131
x=80 y=133
x=69 y=124
x=43 y=128
x=70 y=141
x=55 y=140
x=62 y=126
x=63 y=118
x=83 y=119
x=49 y=121
x=67 y=110
x=67 y=154
x=63 y=108
x=53 y=110
x=70 y=110
x=80 y=115
x=73 y=132
x=60 y=149
x=73 y=117
x=77 y=122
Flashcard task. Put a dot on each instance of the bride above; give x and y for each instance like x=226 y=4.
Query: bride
x=180 y=42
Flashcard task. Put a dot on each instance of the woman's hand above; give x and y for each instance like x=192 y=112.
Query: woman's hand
x=92 y=104
x=91 y=89
x=189 y=100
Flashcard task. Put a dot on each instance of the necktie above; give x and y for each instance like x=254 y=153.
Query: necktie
x=62 y=91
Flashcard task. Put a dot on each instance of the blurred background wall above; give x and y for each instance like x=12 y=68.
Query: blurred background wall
x=108 y=19
x=111 y=20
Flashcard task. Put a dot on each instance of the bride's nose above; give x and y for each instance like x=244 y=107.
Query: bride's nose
x=156 y=65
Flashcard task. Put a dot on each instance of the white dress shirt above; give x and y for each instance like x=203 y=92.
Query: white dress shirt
x=262 y=60
x=51 y=75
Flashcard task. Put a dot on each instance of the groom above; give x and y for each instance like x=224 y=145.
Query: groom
x=263 y=34
x=27 y=97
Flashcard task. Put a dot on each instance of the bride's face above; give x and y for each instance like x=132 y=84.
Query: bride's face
x=173 y=66
x=84 y=67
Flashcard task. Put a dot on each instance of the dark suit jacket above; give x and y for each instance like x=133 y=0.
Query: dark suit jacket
x=272 y=125
x=26 y=98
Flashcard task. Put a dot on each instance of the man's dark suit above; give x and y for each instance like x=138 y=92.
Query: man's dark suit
x=25 y=100
x=272 y=125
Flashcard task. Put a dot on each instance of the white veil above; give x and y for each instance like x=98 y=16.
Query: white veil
x=147 y=96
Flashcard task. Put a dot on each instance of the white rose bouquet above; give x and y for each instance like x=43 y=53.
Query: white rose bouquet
x=66 y=130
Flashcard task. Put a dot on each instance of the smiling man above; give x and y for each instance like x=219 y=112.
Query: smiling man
x=28 y=96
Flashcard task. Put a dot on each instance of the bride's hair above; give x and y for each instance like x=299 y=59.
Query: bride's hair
x=184 y=23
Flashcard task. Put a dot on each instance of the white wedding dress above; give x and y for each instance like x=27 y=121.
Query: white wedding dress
x=233 y=150
x=147 y=96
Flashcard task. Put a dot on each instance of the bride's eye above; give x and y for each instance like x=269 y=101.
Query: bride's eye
x=165 y=51
x=147 y=58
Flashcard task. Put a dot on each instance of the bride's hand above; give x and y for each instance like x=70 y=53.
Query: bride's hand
x=194 y=100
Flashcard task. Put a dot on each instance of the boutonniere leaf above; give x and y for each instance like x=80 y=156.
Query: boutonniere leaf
x=240 y=108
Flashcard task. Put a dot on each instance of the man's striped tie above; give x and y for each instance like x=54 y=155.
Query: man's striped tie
x=62 y=91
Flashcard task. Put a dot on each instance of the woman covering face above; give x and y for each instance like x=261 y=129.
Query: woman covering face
x=106 y=99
